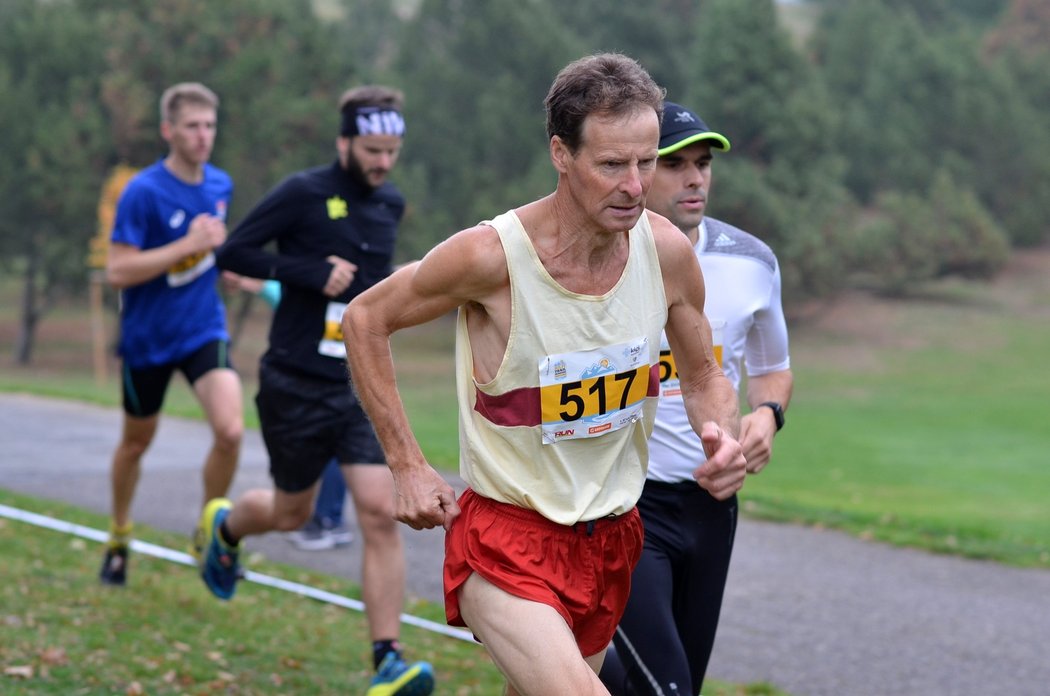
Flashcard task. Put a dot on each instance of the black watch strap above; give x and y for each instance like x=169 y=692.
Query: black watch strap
x=778 y=412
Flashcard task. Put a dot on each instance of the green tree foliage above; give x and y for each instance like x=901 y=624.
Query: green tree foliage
x=270 y=61
x=1019 y=49
x=871 y=60
x=912 y=238
x=970 y=243
x=659 y=34
x=781 y=180
x=897 y=120
x=366 y=33
x=939 y=13
x=53 y=140
x=913 y=103
x=476 y=142
x=82 y=81
x=992 y=134
x=467 y=165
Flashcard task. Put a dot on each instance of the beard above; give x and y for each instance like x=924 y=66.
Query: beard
x=357 y=173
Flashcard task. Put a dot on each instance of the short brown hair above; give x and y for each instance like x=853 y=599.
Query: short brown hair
x=177 y=96
x=372 y=95
x=604 y=83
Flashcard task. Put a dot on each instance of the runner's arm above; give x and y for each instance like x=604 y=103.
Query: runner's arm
x=452 y=274
x=758 y=428
x=127 y=265
x=769 y=377
x=248 y=251
x=710 y=400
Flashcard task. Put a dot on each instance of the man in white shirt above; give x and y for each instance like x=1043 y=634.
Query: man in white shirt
x=664 y=639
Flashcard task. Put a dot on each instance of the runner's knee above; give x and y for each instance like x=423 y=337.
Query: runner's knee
x=290 y=520
x=228 y=435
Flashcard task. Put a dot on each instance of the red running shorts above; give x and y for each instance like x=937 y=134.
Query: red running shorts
x=583 y=571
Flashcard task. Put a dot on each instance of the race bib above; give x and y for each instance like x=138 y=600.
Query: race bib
x=332 y=339
x=190 y=268
x=593 y=393
x=670 y=385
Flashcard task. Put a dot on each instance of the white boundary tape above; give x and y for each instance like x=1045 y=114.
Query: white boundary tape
x=251 y=576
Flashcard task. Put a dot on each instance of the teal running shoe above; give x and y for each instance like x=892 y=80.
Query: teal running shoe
x=396 y=677
x=219 y=567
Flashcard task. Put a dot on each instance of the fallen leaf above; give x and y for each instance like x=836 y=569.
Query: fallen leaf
x=21 y=671
x=54 y=656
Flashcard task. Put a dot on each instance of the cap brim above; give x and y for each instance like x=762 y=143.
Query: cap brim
x=721 y=143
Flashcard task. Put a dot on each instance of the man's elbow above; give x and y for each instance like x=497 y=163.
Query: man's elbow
x=223 y=258
x=356 y=318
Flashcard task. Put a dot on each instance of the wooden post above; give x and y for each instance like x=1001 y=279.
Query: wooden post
x=99 y=248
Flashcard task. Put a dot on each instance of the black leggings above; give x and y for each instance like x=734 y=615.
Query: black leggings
x=664 y=640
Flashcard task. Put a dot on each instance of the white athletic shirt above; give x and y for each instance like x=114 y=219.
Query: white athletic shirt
x=742 y=278
x=563 y=427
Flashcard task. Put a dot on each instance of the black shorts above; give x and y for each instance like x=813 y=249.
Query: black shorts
x=144 y=388
x=305 y=421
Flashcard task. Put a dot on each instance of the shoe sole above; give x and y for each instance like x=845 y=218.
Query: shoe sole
x=323 y=541
x=323 y=544
x=417 y=680
x=344 y=539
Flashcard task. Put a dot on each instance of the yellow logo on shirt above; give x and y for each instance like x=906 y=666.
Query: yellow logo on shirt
x=336 y=208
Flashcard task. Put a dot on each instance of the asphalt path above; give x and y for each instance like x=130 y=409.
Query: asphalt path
x=813 y=612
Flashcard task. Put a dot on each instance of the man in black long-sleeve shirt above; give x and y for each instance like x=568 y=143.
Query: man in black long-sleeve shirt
x=333 y=229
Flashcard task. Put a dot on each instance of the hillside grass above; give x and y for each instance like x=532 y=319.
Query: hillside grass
x=62 y=633
x=65 y=633
x=938 y=465
x=923 y=423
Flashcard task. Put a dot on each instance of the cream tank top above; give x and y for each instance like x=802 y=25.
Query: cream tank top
x=562 y=429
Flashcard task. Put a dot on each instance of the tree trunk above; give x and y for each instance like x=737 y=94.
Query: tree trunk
x=30 y=310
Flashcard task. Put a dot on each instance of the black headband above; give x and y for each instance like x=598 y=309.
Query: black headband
x=372 y=120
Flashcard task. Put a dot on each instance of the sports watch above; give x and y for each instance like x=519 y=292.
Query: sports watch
x=778 y=412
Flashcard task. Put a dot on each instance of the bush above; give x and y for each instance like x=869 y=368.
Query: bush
x=910 y=239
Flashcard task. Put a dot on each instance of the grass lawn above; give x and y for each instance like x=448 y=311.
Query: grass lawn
x=923 y=423
x=62 y=633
